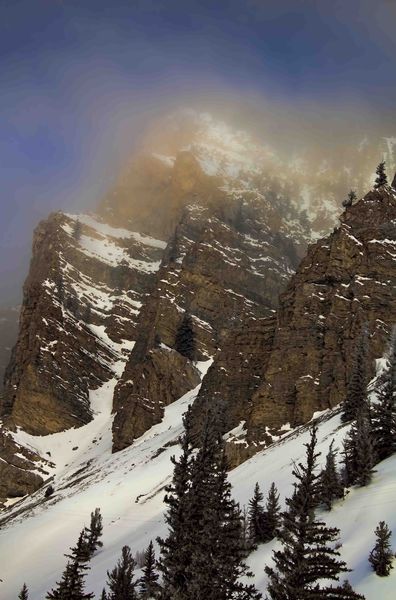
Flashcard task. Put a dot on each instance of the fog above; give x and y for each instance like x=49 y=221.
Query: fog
x=82 y=84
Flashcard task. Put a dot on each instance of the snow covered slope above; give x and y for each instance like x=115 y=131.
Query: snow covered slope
x=129 y=489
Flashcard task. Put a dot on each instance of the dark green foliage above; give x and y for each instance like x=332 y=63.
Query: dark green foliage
x=120 y=579
x=49 y=491
x=381 y=176
x=357 y=385
x=76 y=230
x=272 y=514
x=202 y=558
x=95 y=531
x=149 y=587
x=384 y=411
x=256 y=517
x=350 y=199
x=381 y=556
x=175 y=558
x=103 y=595
x=331 y=486
x=24 y=593
x=81 y=552
x=71 y=585
x=359 y=457
x=185 y=338
x=308 y=554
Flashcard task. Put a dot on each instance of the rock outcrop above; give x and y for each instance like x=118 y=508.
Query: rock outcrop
x=305 y=354
x=214 y=270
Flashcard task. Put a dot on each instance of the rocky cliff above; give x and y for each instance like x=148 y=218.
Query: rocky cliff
x=184 y=262
x=275 y=374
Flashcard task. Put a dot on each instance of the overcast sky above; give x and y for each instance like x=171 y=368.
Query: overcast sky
x=80 y=79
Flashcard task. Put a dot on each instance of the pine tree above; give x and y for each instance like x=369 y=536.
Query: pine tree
x=272 y=514
x=381 y=556
x=381 y=179
x=357 y=386
x=350 y=199
x=206 y=563
x=331 y=486
x=71 y=585
x=308 y=554
x=103 y=595
x=256 y=517
x=81 y=551
x=95 y=531
x=174 y=555
x=24 y=593
x=149 y=586
x=384 y=411
x=120 y=579
x=359 y=457
x=76 y=230
x=185 y=338
x=217 y=543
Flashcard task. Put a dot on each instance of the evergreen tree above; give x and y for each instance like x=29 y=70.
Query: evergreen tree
x=331 y=486
x=272 y=514
x=71 y=585
x=384 y=411
x=174 y=555
x=185 y=338
x=206 y=563
x=120 y=579
x=381 y=556
x=359 y=450
x=76 y=230
x=217 y=542
x=381 y=176
x=95 y=531
x=24 y=593
x=308 y=554
x=356 y=392
x=350 y=199
x=149 y=586
x=103 y=595
x=81 y=551
x=256 y=517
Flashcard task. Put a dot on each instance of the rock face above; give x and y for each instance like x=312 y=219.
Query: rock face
x=9 y=318
x=197 y=245
x=305 y=355
x=75 y=320
x=213 y=270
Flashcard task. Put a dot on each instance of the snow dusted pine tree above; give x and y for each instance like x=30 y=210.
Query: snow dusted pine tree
x=331 y=487
x=381 y=556
x=308 y=554
x=272 y=514
x=256 y=517
x=149 y=587
x=384 y=411
x=24 y=593
x=120 y=579
x=357 y=385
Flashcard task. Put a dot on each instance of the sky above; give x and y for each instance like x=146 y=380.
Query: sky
x=80 y=80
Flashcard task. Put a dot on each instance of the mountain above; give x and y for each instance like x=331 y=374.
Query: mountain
x=198 y=281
